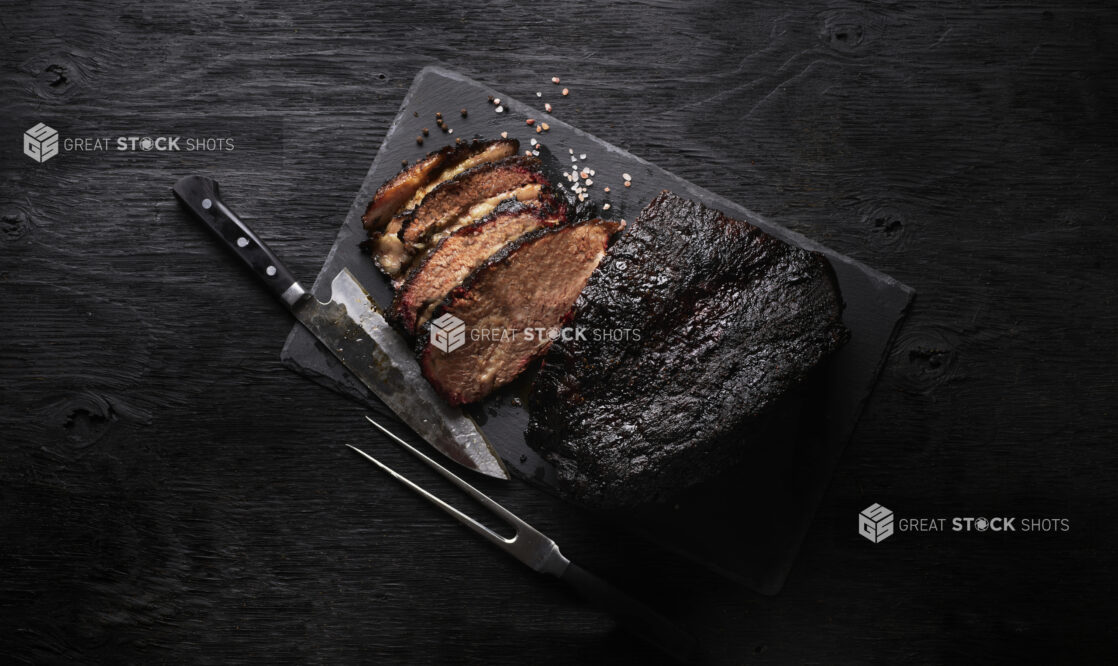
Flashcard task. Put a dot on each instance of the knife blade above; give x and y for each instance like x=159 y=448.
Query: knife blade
x=352 y=328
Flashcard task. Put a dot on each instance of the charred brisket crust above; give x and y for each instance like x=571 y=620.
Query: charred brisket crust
x=423 y=335
x=551 y=200
x=524 y=163
x=731 y=319
x=444 y=158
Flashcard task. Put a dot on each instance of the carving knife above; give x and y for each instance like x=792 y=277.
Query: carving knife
x=354 y=329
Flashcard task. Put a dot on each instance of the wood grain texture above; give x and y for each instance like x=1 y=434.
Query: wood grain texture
x=170 y=493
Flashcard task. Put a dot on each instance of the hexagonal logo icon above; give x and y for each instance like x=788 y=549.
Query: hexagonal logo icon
x=448 y=333
x=40 y=143
x=875 y=523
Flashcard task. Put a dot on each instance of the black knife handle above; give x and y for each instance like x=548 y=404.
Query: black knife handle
x=202 y=197
x=640 y=620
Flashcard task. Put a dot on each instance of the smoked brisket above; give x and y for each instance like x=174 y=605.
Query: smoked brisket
x=695 y=325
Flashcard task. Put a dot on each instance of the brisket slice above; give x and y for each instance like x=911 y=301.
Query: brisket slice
x=456 y=256
x=530 y=284
x=727 y=320
x=407 y=188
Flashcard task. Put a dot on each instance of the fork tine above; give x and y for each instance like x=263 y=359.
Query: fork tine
x=461 y=517
x=535 y=549
x=511 y=518
x=528 y=545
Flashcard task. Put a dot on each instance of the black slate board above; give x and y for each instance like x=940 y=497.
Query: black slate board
x=749 y=523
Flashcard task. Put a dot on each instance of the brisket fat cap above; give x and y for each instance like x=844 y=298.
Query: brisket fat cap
x=450 y=262
x=530 y=284
x=729 y=319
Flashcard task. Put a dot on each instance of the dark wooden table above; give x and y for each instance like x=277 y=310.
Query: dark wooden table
x=170 y=493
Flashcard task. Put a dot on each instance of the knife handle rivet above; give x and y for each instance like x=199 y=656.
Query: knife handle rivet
x=242 y=242
x=271 y=270
x=207 y=204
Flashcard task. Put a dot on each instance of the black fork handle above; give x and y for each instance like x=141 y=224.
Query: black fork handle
x=637 y=618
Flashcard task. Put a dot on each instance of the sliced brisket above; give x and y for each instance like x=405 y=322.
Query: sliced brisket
x=454 y=198
x=462 y=200
x=712 y=320
x=395 y=200
x=525 y=289
x=406 y=189
x=462 y=251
